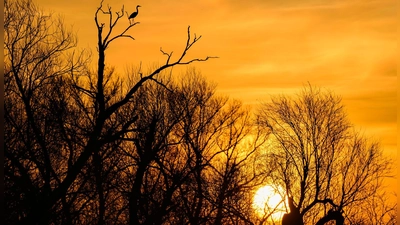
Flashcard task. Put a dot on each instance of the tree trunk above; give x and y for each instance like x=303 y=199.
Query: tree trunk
x=332 y=215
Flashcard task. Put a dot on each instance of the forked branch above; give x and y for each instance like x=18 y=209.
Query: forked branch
x=112 y=24
x=189 y=43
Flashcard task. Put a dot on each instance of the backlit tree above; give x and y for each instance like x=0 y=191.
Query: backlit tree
x=318 y=157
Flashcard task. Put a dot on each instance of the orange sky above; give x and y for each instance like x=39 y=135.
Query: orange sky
x=267 y=47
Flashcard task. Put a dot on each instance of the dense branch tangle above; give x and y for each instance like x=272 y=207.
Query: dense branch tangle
x=81 y=148
x=82 y=116
x=323 y=164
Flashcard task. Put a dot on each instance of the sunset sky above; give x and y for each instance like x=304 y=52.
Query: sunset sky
x=268 y=47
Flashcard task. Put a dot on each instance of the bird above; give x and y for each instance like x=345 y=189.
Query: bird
x=134 y=14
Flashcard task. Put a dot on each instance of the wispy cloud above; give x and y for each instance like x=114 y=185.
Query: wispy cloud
x=349 y=47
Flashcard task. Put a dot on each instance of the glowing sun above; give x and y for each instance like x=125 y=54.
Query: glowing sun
x=268 y=200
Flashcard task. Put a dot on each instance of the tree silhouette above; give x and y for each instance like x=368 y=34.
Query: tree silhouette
x=317 y=156
x=177 y=154
x=35 y=65
x=214 y=134
x=378 y=209
x=57 y=145
x=86 y=145
x=293 y=217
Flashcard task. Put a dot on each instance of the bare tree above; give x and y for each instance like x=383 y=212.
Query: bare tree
x=220 y=143
x=324 y=164
x=192 y=159
x=36 y=63
x=378 y=209
x=234 y=174
x=62 y=119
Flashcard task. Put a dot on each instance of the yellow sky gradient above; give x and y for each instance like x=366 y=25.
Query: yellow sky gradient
x=268 y=47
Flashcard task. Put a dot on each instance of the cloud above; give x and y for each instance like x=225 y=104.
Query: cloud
x=269 y=47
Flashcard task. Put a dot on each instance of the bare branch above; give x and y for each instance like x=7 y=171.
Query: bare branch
x=121 y=35
x=167 y=54
x=161 y=84
x=128 y=96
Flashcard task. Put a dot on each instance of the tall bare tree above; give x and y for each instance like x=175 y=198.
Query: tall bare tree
x=318 y=157
x=62 y=120
x=36 y=63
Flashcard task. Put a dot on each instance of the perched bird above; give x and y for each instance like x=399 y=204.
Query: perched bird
x=134 y=14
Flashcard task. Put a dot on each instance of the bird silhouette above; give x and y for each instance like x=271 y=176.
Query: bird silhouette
x=134 y=14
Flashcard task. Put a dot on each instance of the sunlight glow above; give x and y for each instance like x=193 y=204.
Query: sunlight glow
x=268 y=200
